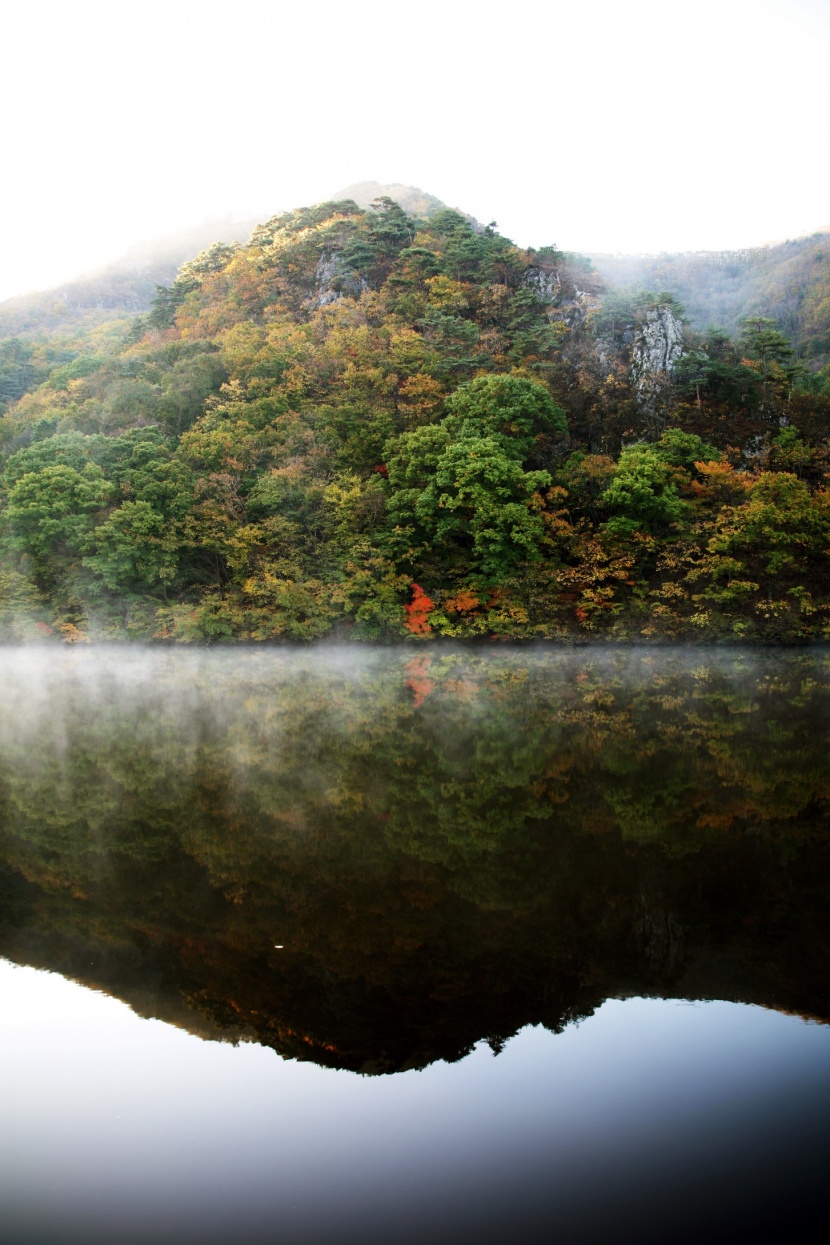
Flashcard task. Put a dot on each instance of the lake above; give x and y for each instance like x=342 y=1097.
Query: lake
x=413 y=945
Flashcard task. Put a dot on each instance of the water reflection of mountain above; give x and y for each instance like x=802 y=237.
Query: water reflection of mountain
x=375 y=861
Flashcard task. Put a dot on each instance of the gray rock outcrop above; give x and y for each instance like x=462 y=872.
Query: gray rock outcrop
x=566 y=301
x=330 y=283
x=657 y=347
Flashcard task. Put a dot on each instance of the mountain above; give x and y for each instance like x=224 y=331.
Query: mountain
x=370 y=424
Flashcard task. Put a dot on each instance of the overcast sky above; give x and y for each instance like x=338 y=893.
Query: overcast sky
x=612 y=125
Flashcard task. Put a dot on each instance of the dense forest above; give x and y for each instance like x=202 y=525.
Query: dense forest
x=369 y=424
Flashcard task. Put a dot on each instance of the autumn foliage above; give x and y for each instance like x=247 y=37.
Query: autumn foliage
x=370 y=425
x=417 y=612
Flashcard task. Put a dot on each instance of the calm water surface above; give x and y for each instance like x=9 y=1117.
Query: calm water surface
x=413 y=946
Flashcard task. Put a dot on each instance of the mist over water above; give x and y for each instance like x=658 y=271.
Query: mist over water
x=399 y=862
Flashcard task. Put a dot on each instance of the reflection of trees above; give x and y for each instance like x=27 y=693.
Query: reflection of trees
x=511 y=841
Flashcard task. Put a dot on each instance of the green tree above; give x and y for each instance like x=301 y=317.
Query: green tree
x=475 y=506
x=762 y=340
x=779 y=529
x=684 y=449
x=50 y=513
x=134 y=548
x=643 y=492
x=512 y=409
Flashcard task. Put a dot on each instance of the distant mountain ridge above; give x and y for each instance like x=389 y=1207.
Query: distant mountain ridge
x=789 y=282
x=124 y=287
x=413 y=200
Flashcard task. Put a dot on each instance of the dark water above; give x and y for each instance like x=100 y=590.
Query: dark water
x=565 y=915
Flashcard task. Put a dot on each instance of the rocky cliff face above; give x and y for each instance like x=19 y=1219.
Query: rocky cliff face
x=324 y=278
x=657 y=346
x=330 y=284
x=568 y=302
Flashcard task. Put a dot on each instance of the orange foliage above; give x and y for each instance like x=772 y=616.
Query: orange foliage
x=420 y=398
x=72 y=635
x=418 y=683
x=721 y=484
x=417 y=612
x=463 y=602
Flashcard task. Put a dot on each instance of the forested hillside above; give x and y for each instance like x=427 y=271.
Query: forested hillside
x=789 y=283
x=363 y=423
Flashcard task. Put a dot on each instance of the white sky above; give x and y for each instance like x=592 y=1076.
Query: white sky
x=621 y=125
